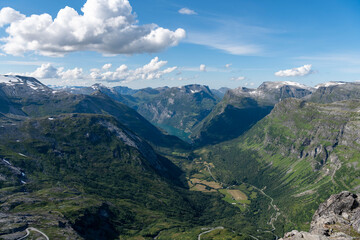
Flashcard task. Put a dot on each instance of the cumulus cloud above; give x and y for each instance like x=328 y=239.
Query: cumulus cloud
x=152 y=70
x=48 y=71
x=107 y=66
x=228 y=65
x=105 y=26
x=202 y=68
x=9 y=15
x=238 y=78
x=187 y=11
x=72 y=74
x=294 y=72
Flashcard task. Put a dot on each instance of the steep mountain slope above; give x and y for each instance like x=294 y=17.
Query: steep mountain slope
x=243 y=107
x=33 y=99
x=176 y=109
x=299 y=155
x=85 y=176
x=7 y=107
x=100 y=103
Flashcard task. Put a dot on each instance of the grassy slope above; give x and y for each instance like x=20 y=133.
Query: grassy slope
x=77 y=169
x=229 y=119
x=53 y=104
x=279 y=153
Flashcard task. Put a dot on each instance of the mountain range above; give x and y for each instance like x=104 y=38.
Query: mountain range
x=176 y=110
x=184 y=162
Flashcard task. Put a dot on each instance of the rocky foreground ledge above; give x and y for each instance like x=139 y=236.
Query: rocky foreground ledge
x=338 y=218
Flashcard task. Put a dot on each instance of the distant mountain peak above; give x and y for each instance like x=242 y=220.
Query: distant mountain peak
x=271 y=88
x=12 y=80
x=193 y=88
x=279 y=84
x=329 y=84
x=98 y=85
x=21 y=86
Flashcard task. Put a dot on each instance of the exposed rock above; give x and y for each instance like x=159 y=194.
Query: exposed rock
x=335 y=91
x=132 y=140
x=337 y=218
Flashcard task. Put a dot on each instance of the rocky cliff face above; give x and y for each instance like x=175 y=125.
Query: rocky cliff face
x=335 y=91
x=241 y=108
x=337 y=218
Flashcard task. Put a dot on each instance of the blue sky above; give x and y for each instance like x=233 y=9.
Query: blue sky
x=237 y=43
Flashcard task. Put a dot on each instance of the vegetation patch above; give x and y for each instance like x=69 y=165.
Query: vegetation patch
x=237 y=195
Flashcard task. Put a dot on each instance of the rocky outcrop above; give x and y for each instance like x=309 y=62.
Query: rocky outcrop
x=337 y=218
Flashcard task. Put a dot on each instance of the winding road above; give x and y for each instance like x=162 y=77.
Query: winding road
x=35 y=230
x=277 y=210
x=212 y=229
x=273 y=217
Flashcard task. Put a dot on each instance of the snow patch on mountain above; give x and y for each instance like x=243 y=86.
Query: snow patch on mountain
x=280 y=84
x=10 y=80
x=329 y=84
x=195 y=91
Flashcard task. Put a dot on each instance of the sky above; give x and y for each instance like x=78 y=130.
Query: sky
x=153 y=43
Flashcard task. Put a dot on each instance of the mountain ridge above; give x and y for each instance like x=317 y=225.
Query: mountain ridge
x=244 y=106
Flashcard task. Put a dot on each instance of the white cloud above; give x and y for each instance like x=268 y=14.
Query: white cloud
x=187 y=78
x=9 y=15
x=107 y=66
x=187 y=11
x=231 y=36
x=48 y=71
x=150 y=71
x=153 y=70
x=294 y=72
x=238 y=78
x=223 y=42
x=202 y=68
x=106 y=26
x=249 y=84
x=228 y=65
x=72 y=74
